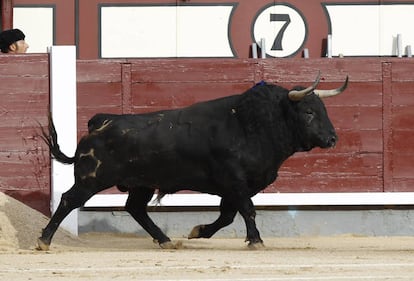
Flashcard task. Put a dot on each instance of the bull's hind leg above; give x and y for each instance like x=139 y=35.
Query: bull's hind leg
x=72 y=199
x=227 y=214
x=136 y=205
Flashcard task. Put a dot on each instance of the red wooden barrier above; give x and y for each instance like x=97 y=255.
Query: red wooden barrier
x=373 y=117
x=24 y=159
x=370 y=155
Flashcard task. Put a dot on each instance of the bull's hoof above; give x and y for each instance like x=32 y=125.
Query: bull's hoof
x=196 y=232
x=42 y=246
x=256 y=246
x=169 y=245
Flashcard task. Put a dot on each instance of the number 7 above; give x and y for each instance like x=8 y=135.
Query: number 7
x=277 y=44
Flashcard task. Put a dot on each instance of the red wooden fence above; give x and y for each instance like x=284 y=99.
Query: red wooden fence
x=24 y=160
x=373 y=117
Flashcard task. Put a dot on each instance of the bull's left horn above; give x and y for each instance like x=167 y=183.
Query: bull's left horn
x=330 y=93
x=296 y=95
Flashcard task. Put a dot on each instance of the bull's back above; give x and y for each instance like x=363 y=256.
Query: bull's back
x=168 y=131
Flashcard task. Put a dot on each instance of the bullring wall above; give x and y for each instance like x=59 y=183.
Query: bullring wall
x=373 y=117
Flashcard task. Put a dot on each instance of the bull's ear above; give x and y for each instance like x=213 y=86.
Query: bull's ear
x=330 y=93
x=297 y=95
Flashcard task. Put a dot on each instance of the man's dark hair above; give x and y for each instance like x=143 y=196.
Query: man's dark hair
x=9 y=37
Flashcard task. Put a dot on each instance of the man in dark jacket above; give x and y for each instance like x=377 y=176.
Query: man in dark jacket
x=12 y=42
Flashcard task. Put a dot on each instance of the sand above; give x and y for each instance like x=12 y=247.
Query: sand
x=20 y=226
x=112 y=256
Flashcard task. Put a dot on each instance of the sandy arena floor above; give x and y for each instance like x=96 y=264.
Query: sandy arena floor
x=117 y=257
x=97 y=256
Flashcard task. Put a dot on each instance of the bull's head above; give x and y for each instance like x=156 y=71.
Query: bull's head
x=313 y=124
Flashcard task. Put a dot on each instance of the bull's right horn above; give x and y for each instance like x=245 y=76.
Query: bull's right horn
x=296 y=95
x=330 y=93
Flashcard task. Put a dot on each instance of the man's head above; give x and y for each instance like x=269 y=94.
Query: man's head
x=12 y=41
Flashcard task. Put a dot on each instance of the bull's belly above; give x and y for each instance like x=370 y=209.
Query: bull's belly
x=171 y=178
x=183 y=174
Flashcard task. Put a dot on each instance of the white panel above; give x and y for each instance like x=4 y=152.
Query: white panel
x=138 y=32
x=37 y=24
x=165 y=31
x=270 y=199
x=63 y=107
x=370 y=30
x=394 y=20
x=355 y=29
x=203 y=31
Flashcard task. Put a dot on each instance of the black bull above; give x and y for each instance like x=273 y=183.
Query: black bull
x=231 y=147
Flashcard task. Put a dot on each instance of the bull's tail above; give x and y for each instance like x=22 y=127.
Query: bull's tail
x=51 y=140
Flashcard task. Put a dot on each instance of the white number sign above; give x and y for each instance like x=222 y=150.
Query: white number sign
x=284 y=29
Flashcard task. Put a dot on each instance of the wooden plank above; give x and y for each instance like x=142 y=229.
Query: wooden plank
x=99 y=94
x=402 y=166
x=335 y=165
x=356 y=118
x=351 y=141
x=23 y=106
x=31 y=119
x=302 y=71
x=402 y=93
x=178 y=70
x=403 y=140
x=402 y=70
x=403 y=185
x=23 y=181
x=183 y=94
x=26 y=176
x=23 y=66
x=98 y=71
x=26 y=85
x=25 y=163
x=403 y=117
x=20 y=138
x=311 y=184
x=357 y=94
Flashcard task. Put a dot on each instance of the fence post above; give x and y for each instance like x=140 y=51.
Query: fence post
x=126 y=88
x=64 y=113
x=6 y=9
x=387 y=126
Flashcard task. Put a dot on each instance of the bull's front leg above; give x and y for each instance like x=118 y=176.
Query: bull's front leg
x=248 y=212
x=227 y=214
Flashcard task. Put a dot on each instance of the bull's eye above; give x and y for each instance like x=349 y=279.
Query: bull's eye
x=309 y=116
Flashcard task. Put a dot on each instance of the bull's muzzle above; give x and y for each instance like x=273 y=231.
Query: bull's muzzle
x=331 y=141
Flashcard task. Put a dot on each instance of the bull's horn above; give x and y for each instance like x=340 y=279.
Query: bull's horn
x=330 y=93
x=296 y=95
